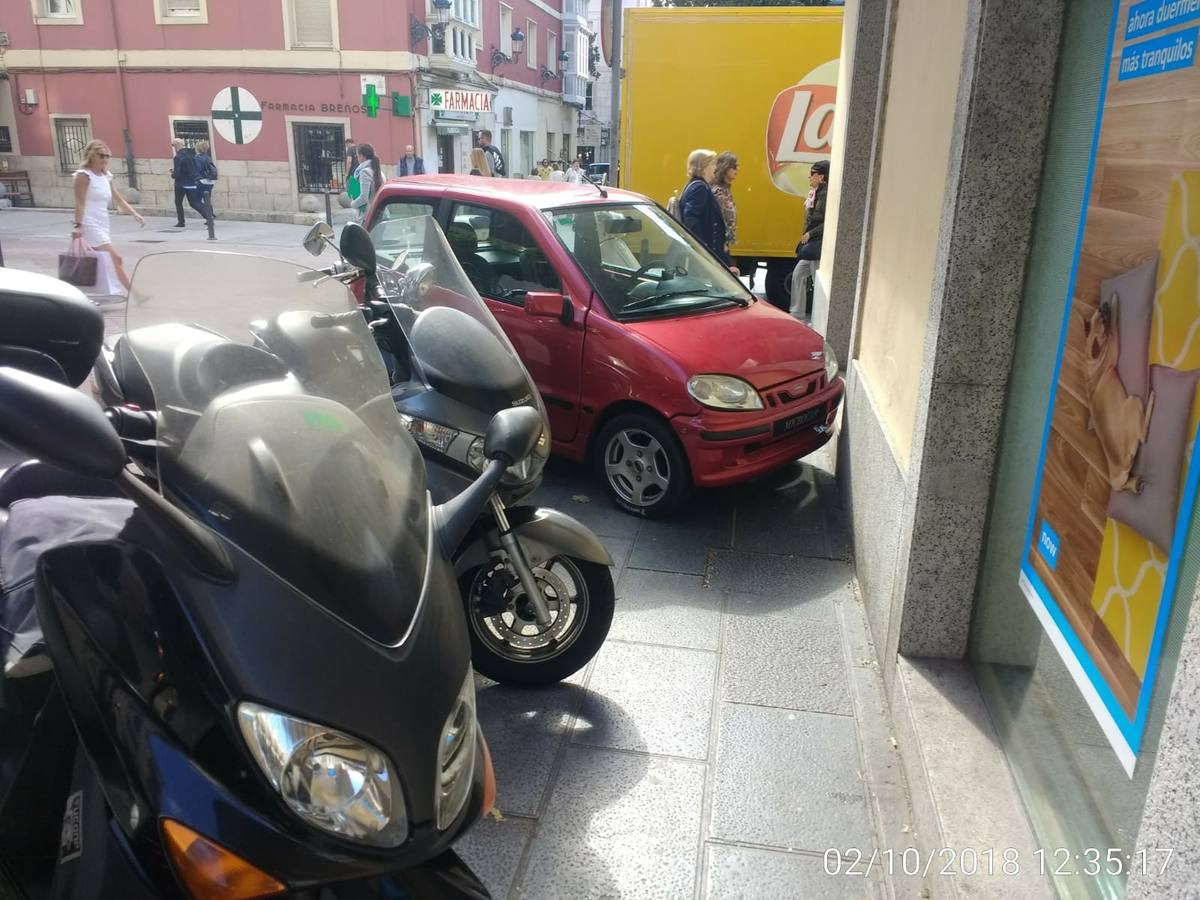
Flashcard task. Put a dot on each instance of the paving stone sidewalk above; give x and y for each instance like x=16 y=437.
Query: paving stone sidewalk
x=731 y=730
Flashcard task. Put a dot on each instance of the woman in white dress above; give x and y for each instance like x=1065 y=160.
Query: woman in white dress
x=94 y=192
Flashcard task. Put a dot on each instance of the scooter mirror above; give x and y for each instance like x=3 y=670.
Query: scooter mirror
x=357 y=247
x=314 y=241
x=512 y=434
x=58 y=425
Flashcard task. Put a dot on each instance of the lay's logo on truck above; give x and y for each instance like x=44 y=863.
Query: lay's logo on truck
x=800 y=127
x=759 y=82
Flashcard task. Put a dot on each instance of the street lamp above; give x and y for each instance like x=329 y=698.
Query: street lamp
x=563 y=58
x=419 y=31
x=546 y=74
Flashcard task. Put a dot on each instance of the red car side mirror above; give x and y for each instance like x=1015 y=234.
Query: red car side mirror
x=549 y=306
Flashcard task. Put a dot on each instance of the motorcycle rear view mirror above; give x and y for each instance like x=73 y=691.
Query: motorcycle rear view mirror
x=512 y=434
x=318 y=236
x=58 y=425
x=357 y=247
x=548 y=305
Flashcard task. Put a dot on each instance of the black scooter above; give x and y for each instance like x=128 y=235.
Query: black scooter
x=235 y=664
x=537 y=584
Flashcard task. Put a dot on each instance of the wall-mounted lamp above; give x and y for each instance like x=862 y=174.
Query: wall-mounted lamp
x=419 y=31
x=27 y=101
x=499 y=57
x=545 y=75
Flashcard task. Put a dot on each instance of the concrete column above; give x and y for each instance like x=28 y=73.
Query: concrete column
x=998 y=146
x=1171 y=818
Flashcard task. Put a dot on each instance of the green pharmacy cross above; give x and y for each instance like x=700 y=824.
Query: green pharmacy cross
x=371 y=101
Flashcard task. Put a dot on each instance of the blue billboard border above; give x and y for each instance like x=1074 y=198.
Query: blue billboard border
x=1132 y=730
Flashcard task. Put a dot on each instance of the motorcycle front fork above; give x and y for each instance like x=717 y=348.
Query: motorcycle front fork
x=521 y=568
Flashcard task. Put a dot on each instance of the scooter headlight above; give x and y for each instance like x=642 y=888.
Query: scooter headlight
x=430 y=434
x=333 y=781
x=456 y=756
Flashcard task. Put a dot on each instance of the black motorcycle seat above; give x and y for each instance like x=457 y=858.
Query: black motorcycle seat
x=33 y=478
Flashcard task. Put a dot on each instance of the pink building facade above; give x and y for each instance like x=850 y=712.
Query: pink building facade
x=308 y=75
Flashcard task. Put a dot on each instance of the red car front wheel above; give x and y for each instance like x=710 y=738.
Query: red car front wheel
x=643 y=466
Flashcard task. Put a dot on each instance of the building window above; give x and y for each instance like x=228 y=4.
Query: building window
x=320 y=147
x=312 y=23
x=181 y=12
x=506 y=29
x=58 y=12
x=71 y=135
x=587 y=97
x=550 y=145
x=566 y=147
x=551 y=50
x=531 y=43
x=5 y=140
x=191 y=131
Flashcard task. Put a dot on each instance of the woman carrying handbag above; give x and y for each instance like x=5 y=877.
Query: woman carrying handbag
x=94 y=191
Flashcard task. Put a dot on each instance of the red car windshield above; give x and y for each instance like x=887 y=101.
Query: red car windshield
x=644 y=263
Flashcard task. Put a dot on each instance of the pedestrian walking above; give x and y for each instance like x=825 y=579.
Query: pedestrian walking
x=575 y=173
x=724 y=174
x=556 y=173
x=480 y=163
x=94 y=192
x=808 y=251
x=410 y=163
x=368 y=176
x=698 y=207
x=206 y=171
x=180 y=162
x=495 y=157
x=187 y=185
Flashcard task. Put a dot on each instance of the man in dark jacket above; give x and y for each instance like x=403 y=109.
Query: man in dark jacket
x=808 y=251
x=187 y=173
x=495 y=157
x=182 y=169
x=410 y=163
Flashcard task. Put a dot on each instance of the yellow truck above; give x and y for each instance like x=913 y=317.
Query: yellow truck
x=760 y=82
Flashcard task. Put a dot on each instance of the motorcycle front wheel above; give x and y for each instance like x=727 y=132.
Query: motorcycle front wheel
x=508 y=645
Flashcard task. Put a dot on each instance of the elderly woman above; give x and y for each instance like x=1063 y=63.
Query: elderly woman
x=698 y=207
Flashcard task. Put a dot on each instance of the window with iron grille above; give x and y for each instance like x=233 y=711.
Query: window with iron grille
x=319 y=149
x=71 y=135
x=181 y=9
x=5 y=139
x=312 y=23
x=191 y=131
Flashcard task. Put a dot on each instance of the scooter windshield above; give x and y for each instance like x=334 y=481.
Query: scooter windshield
x=460 y=351
x=276 y=428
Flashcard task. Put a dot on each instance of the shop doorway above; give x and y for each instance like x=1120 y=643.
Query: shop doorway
x=445 y=147
x=319 y=148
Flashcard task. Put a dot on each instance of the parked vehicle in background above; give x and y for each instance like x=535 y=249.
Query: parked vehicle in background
x=769 y=79
x=599 y=173
x=654 y=363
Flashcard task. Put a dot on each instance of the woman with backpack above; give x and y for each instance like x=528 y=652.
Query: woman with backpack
x=206 y=175
x=698 y=208
x=369 y=179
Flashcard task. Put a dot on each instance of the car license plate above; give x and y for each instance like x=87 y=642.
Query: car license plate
x=791 y=423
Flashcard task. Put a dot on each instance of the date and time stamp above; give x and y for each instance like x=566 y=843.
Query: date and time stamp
x=1090 y=862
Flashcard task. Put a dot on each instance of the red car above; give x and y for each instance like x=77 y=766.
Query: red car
x=655 y=363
